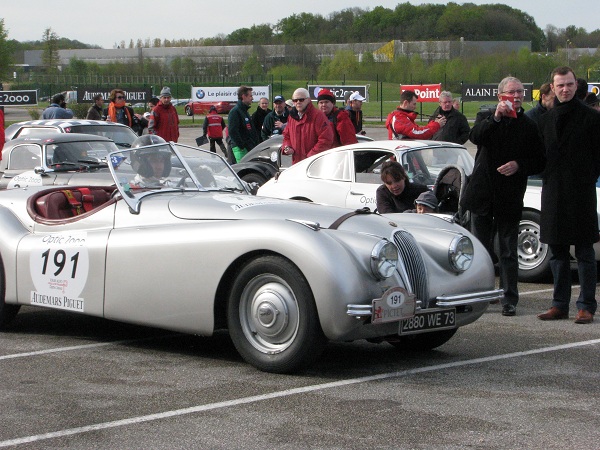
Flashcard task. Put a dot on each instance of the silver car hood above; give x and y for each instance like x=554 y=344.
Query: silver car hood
x=234 y=207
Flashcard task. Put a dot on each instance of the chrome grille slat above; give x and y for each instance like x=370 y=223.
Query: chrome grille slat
x=413 y=264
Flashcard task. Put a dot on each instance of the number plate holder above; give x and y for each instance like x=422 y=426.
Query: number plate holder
x=394 y=305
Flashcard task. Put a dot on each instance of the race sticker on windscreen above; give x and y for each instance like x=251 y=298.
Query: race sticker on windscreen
x=59 y=266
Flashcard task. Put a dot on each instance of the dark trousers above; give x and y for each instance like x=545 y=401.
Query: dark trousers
x=560 y=264
x=219 y=141
x=484 y=228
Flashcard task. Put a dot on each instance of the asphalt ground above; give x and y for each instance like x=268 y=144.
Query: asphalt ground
x=75 y=382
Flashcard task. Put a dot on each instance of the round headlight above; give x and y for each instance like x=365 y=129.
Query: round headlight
x=460 y=253
x=384 y=259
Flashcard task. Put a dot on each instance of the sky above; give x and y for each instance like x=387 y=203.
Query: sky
x=109 y=22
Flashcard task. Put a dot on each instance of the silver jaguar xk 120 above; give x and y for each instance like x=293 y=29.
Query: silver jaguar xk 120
x=178 y=242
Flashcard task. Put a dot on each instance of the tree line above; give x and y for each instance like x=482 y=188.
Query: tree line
x=405 y=22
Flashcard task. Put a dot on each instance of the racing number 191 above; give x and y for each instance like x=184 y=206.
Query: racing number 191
x=59 y=261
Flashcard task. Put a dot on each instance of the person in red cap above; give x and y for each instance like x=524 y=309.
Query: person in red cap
x=343 y=129
x=213 y=127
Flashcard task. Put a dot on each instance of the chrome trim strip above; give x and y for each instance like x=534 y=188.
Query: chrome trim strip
x=450 y=301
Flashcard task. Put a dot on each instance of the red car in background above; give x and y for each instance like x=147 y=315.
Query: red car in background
x=193 y=108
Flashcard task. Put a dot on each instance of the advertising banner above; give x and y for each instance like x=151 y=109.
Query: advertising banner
x=227 y=94
x=86 y=94
x=18 y=98
x=595 y=88
x=425 y=92
x=489 y=92
x=338 y=91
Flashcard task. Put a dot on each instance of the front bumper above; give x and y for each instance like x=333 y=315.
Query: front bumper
x=443 y=301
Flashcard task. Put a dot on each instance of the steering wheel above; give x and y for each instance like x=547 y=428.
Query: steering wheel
x=181 y=182
x=420 y=177
x=377 y=163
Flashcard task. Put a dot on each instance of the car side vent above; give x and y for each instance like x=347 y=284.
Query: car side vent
x=413 y=265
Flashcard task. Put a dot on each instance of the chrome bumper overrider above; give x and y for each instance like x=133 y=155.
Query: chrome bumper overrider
x=443 y=301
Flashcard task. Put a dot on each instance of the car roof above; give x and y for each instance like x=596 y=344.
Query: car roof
x=62 y=124
x=57 y=138
x=389 y=145
x=403 y=144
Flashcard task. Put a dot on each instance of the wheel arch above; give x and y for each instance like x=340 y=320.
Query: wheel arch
x=263 y=169
x=225 y=285
x=7 y=311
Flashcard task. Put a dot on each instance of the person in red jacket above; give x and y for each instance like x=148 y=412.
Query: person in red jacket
x=308 y=131
x=401 y=122
x=164 y=120
x=343 y=129
x=213 y=127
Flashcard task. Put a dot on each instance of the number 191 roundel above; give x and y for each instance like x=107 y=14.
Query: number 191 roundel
x=59 y=268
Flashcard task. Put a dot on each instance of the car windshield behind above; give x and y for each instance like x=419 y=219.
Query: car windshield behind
x=170 y=167
x=424 y=165
x=122 y=136
x=73 y=153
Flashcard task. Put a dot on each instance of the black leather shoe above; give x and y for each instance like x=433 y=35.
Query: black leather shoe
x=509 y=310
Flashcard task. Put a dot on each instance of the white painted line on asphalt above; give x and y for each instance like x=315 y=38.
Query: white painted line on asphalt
x=60 y=349
x=540 y=291
x=79 y=347
x=285 y=393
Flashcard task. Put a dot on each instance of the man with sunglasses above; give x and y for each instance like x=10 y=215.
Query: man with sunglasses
x=509 y=149
x=308 y=131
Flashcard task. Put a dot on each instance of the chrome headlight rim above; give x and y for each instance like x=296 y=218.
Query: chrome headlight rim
x=384 y=259
x=460 y=253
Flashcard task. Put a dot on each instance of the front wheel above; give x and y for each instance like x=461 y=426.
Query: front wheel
x=188 y=111
x=272 y=316
x=534 y=257
x=423 y=341
x=253 y=177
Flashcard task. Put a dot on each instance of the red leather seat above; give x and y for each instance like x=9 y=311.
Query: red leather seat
x=56 y=205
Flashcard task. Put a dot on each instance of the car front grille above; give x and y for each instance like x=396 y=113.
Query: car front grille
x=412 y=267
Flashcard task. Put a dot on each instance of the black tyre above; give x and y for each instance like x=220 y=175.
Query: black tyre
x=422 y=341
x=272 y=316
x=7 y=312
x=188 y=111
x=534 y=256
x=254 y=177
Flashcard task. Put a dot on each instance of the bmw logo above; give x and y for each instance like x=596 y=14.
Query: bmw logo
x=200 y=94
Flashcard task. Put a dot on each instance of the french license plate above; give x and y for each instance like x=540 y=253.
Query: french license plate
x=439 y=319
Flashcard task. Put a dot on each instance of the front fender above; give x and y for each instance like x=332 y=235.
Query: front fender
x=265 y=169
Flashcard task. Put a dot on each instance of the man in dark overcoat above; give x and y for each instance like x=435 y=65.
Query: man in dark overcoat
x=509 y=149
x=571 y=133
